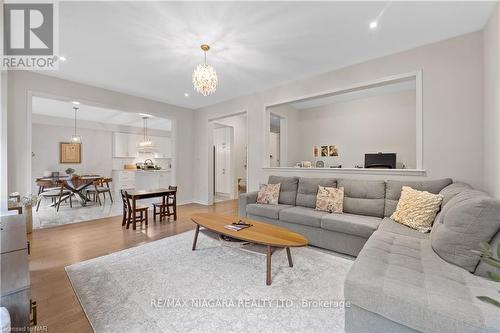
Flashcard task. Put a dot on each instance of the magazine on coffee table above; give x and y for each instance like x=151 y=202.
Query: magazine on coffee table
x=237 y=226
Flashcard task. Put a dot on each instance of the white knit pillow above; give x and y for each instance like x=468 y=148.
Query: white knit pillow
x=417 y=209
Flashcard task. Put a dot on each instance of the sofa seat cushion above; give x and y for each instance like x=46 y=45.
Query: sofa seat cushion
x=402 y=279
x=351 y=224
x=393 y=190
x=363 y=197
x=302 y=215
x=391 y=226
x=269 y=211
x=308 y=190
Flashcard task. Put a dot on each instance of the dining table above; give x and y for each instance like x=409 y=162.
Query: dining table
x=75 y=184
x=164 y=193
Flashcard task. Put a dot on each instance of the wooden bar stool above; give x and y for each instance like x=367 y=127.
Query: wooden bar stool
x=139 y=215
x=168 y=207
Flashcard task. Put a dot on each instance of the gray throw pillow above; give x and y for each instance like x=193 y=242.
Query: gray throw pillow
x=469 y=218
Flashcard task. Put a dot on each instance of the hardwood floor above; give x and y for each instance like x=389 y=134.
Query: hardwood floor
x=54 y=248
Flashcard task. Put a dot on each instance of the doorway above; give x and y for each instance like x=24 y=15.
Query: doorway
x=228 y=157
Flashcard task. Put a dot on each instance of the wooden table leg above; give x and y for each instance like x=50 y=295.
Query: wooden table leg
x=162 y=209
x=268 y=266
x=196 y=236
x=133 y=214
x=289 y=255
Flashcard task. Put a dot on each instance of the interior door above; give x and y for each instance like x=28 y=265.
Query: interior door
x=274 y=149
x=222 y=160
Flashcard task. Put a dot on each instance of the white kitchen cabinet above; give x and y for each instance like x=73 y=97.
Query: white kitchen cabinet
x=146 y=180
x=124 y=179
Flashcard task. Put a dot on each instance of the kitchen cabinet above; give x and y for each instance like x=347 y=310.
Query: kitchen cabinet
x=146 y=180
x=123 y=179
x=15 y=277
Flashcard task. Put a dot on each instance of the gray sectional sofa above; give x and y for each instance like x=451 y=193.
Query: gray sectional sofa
x=402 y=280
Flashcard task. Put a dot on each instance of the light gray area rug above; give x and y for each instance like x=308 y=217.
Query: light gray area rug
x=163 y=286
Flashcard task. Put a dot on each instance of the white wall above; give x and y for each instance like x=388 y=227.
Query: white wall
x=360 y=126
x=23 y=83
x=452 y=110
x=491 y=134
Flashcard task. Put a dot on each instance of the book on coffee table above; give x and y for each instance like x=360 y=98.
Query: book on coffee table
x=237 y=227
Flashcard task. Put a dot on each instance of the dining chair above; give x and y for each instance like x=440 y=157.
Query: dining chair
x=55 y=195
x=170 y=207
x=101 y=186
x=140 y=215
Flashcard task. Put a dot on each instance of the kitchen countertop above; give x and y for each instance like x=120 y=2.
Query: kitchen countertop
x=139 y=170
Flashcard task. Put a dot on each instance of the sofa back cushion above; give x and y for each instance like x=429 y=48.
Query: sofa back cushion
x=469 y=218
x=308 y=189
x=393 y=190
x=288 y=189
x=363 y=197
x=453 y=189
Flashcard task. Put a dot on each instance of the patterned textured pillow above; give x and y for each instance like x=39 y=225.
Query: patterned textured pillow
x=330 y=199
x=417 y=209
x=269 y=194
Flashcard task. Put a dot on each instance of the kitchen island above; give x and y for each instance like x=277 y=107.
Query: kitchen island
x=141 y=179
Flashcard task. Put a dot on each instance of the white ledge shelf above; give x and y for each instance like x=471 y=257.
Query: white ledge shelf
x=362 y=171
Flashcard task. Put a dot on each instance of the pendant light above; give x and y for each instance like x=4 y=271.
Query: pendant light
x=204 y=76
x=146 y=144
x=75 y=138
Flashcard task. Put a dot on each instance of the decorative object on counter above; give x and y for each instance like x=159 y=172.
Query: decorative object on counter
x=306 y=164
x=315 y=151
x=336 y=166
x=332 y=151
x=70 y=153
x=69 y=171
x=324 y=151
x=130 y=167
x=320 y=164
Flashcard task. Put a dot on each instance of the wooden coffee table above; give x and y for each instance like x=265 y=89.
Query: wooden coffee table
x=259 y=233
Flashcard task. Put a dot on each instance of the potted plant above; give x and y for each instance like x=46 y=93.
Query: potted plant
x=491 y=257
x=70 y=171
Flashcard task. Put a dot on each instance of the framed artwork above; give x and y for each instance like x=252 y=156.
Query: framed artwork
x=70 y=153
x=324 y=151
x=315 y=151
x=332 y=150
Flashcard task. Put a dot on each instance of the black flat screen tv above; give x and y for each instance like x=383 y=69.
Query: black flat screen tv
x=380 y=161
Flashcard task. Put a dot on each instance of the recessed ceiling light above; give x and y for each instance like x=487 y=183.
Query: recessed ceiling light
x=62 y=58
x=75 y=103
x=373 y=24
x=145 y=115
x=186 y=95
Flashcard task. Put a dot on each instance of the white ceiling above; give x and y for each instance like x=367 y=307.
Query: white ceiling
x=390 y=88
x=149 y=49
x=64 y=109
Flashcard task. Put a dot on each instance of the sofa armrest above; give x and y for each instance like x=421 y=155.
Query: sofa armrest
x=244 y=200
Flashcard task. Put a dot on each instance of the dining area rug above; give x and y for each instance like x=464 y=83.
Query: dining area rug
x=164 y=286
